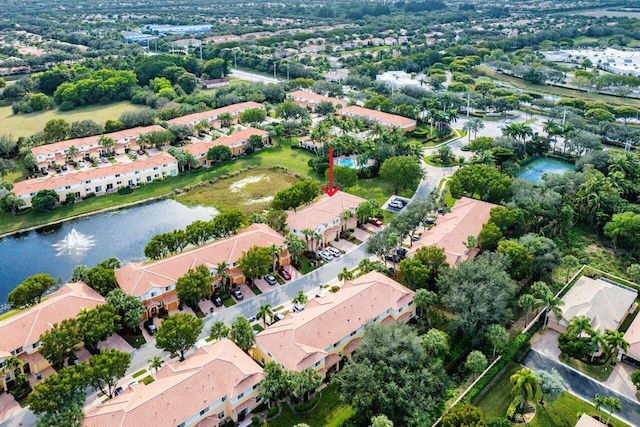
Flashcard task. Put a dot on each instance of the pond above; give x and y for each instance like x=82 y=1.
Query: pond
x=535 y=169
x=121 y=233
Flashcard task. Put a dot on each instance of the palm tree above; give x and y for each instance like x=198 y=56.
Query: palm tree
x=599 y=402
x=308 y=233
x=107 y=143
x=274 y=251
x=597 y=341
x=525 y=384
x=579 y=324
x=528 y=303
x=616 y=342
x=300 y=299
x=219 y=330
x=155 y=363
x=345 y=275
x=423 y=300
x=474 y=126
x=306 y=382
x=265 y=312
x=518 y=131
x=72 y=152
x=614 y=405
x=225 y=119
x=223 y=275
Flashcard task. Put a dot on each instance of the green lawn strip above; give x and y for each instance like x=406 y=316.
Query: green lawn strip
x=330 y=412
x=228 y=302
x=9 y=314
x=254 y=289
x=135 y=341
x=561 y=413
x=278 y=308
x=559 y=91
x=140 y=372
x=258 y=328
x=32 y=123
x=147 y=380
x=599 y=371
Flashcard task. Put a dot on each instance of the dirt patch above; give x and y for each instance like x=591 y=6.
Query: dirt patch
x=240 y=184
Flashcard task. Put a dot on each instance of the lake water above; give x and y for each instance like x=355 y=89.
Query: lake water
x=122 y=233
x=533 y=171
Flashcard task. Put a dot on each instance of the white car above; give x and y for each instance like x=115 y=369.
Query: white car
x=325 y=255
x=396 y=205
x=335 y=252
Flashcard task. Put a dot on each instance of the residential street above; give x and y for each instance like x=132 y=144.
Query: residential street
x=583 y=386
x=251 y=77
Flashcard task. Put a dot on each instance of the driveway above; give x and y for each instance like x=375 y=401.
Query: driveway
x=620 y=380
x=584 y=386
x=115 y=341
x=546 y=343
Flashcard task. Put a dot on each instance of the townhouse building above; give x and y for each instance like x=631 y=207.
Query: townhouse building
x=217 y=384
x=154 y=282
x=89 y=146
x=327 y=332
x=327 y=217
x=211 y=116
x=385 y=119
x=237 y=143
x=21 y=332
x=100 y=180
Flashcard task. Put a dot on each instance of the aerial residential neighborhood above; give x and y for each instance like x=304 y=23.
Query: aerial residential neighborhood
x=310 y=214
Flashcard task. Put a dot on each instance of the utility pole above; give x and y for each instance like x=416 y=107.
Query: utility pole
x=287 y=71
x=468 y=104
x=274 y=71
x=564 y=117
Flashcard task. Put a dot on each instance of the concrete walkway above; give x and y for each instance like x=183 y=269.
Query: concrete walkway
x=584 y=386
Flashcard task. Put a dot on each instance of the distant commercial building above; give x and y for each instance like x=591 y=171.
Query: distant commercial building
x=398 y=79
x=612 y=60
x=179 y=29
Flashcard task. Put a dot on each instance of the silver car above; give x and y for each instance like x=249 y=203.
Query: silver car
x=325 y=255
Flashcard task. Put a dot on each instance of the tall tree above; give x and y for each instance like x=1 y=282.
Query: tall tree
x=58 y=400
x=392 y=374
x=194 y=286
x=402 y=172
x=552 y=384
x=129 y=308
x=178 y=333
x=30 y=291
x=59 y=342
x=423 y=300
x=104 y=370
x=97 y=324
x=265 y=313
x=476 y=363
x=498 y=336
x=306 y=382
x=525 y=385
x=241 y=333
x=254 y=262
x=464 y=415
x=219 y=330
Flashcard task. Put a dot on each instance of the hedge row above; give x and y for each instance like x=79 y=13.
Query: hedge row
x=508 y=355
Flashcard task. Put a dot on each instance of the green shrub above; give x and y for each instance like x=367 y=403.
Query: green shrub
x=273 y=411
x=304 y=407
x=125 y=190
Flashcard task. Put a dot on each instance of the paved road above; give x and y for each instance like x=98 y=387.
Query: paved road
x=584 y=386
x=251 y=77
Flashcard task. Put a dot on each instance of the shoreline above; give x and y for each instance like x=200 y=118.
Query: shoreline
x=82 y=215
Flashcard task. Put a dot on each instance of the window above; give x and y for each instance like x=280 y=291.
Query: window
x=183 y=424
x=117 y=175
x=98 y=188
x=204 y=411
x=224 y=399
x=153 y=294
x=36 y=344
x=221 y=415
x=155 y=168
x=156 y=176
x=88 y=182
x=240 y=396
x=137 y=172
x=149 y=178
x=67 y=187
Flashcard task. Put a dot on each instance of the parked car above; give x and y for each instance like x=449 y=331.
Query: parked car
x=284 y=274
x=430 y=221
x=270 y=279
x=395 y=205
x=150 y=327
x=133 y=153
x=44 y=171
x=415 y=237
x=298 y=308
x=403 y=202
x=402 y=252
x=81 y=164
x=118 y=391
x=235 y=292
x=104 y=160
x=392 y=258
x=141 y=152
x=335 y=252
x=376 y=222
x=325 y=255
x=277 y=317
x=216 y=300
x=64 y=167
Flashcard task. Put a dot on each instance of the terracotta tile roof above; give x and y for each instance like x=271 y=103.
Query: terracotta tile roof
x=118 y=136
x=379 y=116
x=314 y=98
x=210 y=115
x=181 y=389
x=301 y=339
x=24 y=328
x=603 y=302
x=323 y=211
x=60 y=182
x=452 y=229
x=138 y=278
x=241 y=136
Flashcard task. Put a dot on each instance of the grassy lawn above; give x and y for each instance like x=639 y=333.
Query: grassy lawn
x=559 y=91
x=228 y=302
x=376 y=188
x=135 y=341
x=250 y=191
x=330 y=412
x=140 y=372
x=599 y=371
x=32 y=123
x=561 y=413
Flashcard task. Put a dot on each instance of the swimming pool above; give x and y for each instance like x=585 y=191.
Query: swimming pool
x=534 y=170
x=347 y=161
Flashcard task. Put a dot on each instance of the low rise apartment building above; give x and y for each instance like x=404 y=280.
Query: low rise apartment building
x=21 y=332
x=218 y=383
x=89 y=146
x=237 y=143
x=311 y=100
x=325 y=334
x=211 y=116
x=325 y=217
x=100 y=180
x=154 y=282
x=385 y=119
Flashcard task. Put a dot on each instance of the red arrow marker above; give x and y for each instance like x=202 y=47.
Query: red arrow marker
x=330 y=191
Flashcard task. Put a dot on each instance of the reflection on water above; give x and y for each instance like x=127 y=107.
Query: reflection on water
x=123 y=233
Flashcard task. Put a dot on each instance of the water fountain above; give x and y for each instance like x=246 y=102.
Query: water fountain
x=74 y=243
